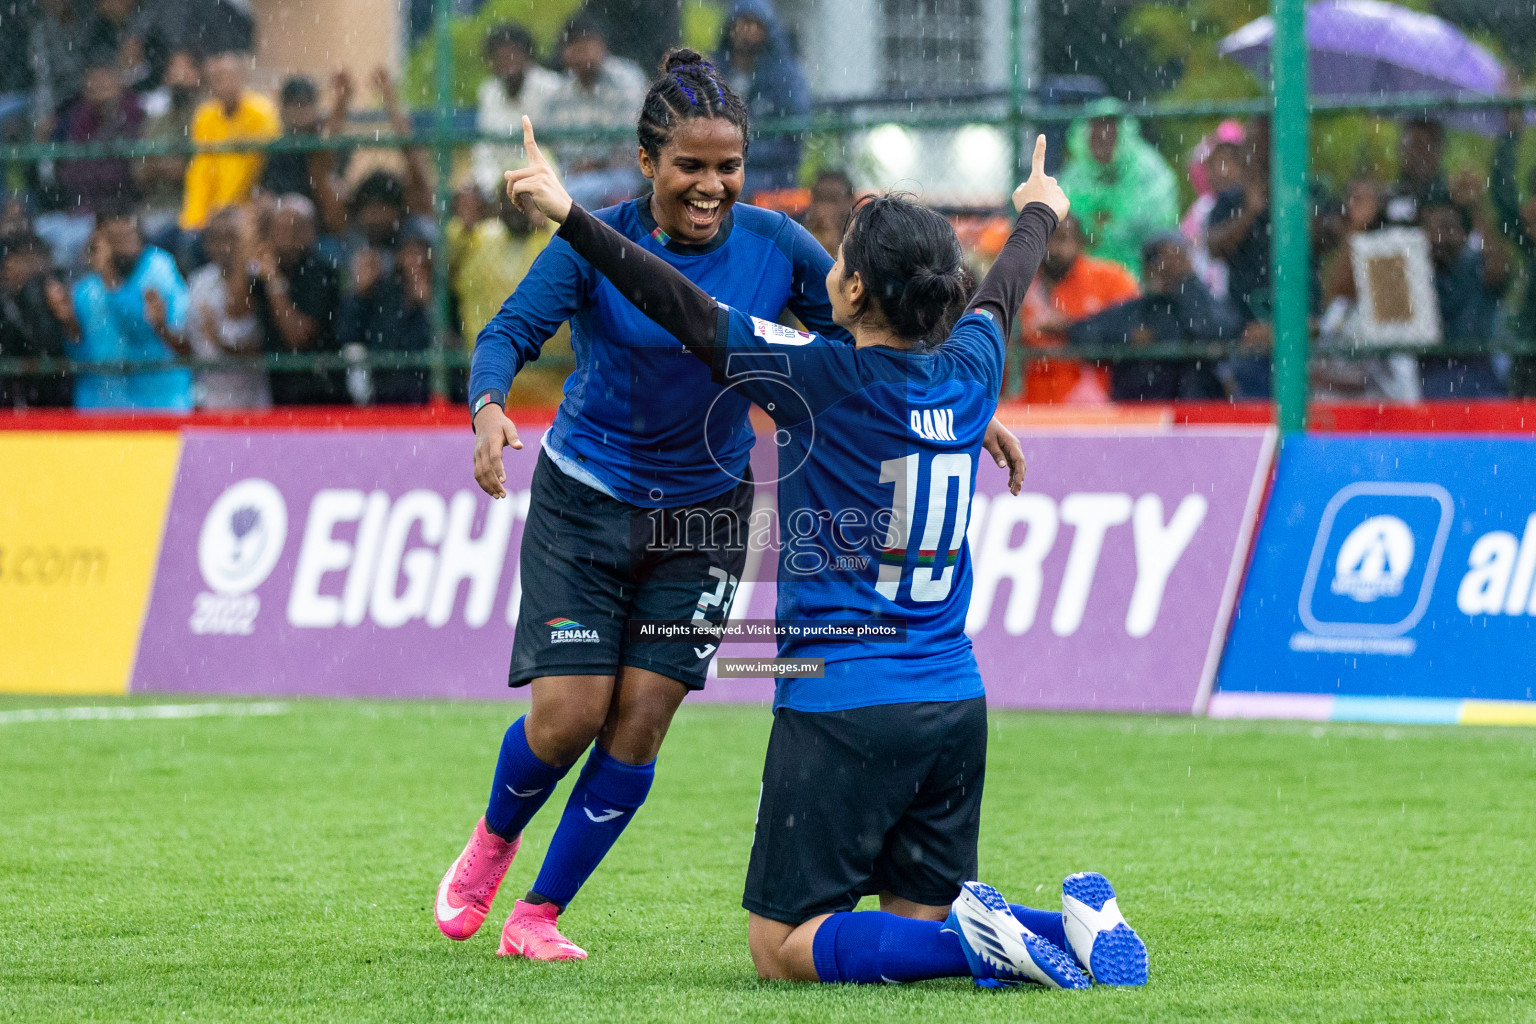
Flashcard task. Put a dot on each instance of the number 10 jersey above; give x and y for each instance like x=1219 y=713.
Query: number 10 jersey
x=878 y=449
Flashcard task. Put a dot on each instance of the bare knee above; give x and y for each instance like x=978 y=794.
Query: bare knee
x=783 y=952
x=767 y=956
x=640 y=715
x=566 y=716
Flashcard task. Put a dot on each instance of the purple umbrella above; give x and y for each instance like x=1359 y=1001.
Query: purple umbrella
x=1371 y=48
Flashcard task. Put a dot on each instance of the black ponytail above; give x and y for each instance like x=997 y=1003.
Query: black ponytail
x=911 y=264
x=689 y=87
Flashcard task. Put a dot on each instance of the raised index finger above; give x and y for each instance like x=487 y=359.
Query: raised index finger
x=1038 y=166
x=535 y=158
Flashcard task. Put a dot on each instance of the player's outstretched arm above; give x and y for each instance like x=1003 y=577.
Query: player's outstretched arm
x=1041 y=204
x=656 y=288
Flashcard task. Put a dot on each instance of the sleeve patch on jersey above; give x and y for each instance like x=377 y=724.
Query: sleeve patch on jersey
x=778 y=334
x=986 y=313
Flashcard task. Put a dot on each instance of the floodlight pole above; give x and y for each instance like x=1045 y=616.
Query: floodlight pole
x=442 y=150
x=1290 y=213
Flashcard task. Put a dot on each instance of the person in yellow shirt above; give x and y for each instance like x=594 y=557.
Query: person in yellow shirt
x=490 y=254
x=232 y=113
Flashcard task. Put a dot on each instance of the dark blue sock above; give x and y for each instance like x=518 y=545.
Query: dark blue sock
x=605 y=798
x=1044 y=923
x=870 y=947
x=521 y=786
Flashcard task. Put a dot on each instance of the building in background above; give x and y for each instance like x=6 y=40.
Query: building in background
x=918 y=50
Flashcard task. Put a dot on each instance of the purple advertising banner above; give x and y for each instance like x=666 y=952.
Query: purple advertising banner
x=368 y=563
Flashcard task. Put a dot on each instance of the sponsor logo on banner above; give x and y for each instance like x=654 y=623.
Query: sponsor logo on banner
x=240 y=543
x=1393 y=567
x=1382 y=545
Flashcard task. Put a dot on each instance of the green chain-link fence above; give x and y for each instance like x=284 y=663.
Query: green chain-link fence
x=1161 y=60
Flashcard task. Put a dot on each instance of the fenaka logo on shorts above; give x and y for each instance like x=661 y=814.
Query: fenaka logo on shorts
x=569 y=631
x=241 y=540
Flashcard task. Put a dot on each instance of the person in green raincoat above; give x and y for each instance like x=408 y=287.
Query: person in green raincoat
x=1122 y=190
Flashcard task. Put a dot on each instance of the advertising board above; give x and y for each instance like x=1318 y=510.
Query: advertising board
x=339 y=563
x=1392 y=568
x=80 y=522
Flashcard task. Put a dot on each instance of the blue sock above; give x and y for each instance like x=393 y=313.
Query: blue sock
x=1044 y=923
x=606 y=796
x=521 y=786
x=870 y=947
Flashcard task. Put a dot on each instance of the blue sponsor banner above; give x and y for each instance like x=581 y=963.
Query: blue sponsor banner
x=1393 y=567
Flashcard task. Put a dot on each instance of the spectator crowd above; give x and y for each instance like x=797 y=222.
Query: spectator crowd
x=181 y=277
x=1127 y=270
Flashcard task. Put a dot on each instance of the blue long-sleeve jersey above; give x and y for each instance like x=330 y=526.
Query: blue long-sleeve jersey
x=878 y=448
x=876 y=473
x=639 y=413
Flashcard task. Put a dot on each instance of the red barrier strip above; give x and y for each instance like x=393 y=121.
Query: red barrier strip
x=1511 y=417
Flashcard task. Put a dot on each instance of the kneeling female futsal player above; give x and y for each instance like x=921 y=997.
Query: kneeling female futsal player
x=630 y=457
x=874 y=773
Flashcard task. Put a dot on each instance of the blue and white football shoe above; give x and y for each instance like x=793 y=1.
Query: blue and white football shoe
x=1097 y=935
x=1001 y=951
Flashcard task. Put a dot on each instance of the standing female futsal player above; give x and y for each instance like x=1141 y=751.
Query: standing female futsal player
x=874 y=772
x=644 y=446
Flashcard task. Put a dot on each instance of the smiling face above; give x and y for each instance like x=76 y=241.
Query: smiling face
x=696 y=177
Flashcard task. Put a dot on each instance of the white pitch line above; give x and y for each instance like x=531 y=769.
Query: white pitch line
x=107 y=713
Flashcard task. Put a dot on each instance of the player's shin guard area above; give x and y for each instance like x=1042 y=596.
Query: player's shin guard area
x=1000 y=950
x=605 y=798
x=522 y=783
x=1098 y=935
x=872 y=947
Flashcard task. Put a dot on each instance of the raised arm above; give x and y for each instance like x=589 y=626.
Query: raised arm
x=1041 y=204
x=656 y=288
x=675 y=303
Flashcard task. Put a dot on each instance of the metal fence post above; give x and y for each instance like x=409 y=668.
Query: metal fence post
x=1290 y=213
x=1016 y=87
x=442 y=151
x=1013 y=363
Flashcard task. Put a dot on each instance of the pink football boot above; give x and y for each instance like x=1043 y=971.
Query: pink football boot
x=531 y=932
x=464 y=895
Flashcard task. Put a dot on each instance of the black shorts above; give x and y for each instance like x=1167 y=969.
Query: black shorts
x=883 y=799
x=590 y=563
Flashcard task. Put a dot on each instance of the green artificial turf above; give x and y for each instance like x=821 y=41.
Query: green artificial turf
x=283 y=868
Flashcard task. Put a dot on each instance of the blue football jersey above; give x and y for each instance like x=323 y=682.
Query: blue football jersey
x=639 y=413
x=878 y=450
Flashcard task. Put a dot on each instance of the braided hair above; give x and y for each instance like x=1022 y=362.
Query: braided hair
x=689 y=87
